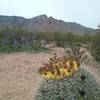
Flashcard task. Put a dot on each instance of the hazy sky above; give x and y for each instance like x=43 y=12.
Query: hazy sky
x=85 y=12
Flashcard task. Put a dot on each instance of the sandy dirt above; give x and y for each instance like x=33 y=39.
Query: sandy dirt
x=19 y=78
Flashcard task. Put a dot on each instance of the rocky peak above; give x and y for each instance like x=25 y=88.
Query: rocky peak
x=40 y=17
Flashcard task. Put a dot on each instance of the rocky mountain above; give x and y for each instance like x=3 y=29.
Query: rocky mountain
x=43 y=23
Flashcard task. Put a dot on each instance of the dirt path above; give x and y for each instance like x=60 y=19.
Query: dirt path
x=18 y=75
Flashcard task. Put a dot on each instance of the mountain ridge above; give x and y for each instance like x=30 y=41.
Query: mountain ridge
x=42 y=23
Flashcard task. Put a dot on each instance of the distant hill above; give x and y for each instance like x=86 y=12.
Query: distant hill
x=43 y=23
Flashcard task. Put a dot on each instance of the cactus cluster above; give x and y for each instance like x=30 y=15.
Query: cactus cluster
x=61 y=67
x=80 y=86
x=64 y=79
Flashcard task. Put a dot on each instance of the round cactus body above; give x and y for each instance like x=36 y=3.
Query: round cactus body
x=80 y=86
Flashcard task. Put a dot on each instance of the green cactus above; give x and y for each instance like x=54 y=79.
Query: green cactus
x=80 y=86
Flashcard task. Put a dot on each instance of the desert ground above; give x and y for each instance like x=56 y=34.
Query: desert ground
x=19 y=77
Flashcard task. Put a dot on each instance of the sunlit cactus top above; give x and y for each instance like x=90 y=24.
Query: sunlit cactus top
x=60 y=67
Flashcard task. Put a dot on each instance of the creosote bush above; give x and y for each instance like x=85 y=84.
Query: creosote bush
x=80 y=86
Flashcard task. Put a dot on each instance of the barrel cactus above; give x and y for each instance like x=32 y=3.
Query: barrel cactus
x=64 y=79
x=80 y=86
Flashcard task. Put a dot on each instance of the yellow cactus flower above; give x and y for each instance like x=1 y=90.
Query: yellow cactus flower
x=75 y=66
x=59 y=69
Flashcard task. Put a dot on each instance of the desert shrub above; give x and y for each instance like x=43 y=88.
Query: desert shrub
x=96 y=46
x=71 y=88
x=16 y=39
x=96 y=51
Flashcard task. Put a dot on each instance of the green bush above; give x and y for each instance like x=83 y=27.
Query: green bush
x=72 y=88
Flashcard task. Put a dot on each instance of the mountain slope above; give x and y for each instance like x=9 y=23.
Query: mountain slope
x=43 y=23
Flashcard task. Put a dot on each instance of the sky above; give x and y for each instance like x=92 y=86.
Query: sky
x=85 y=12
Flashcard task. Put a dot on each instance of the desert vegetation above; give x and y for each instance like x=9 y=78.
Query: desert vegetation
x=79 y=85
x=18 y=39
x=65 y=79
